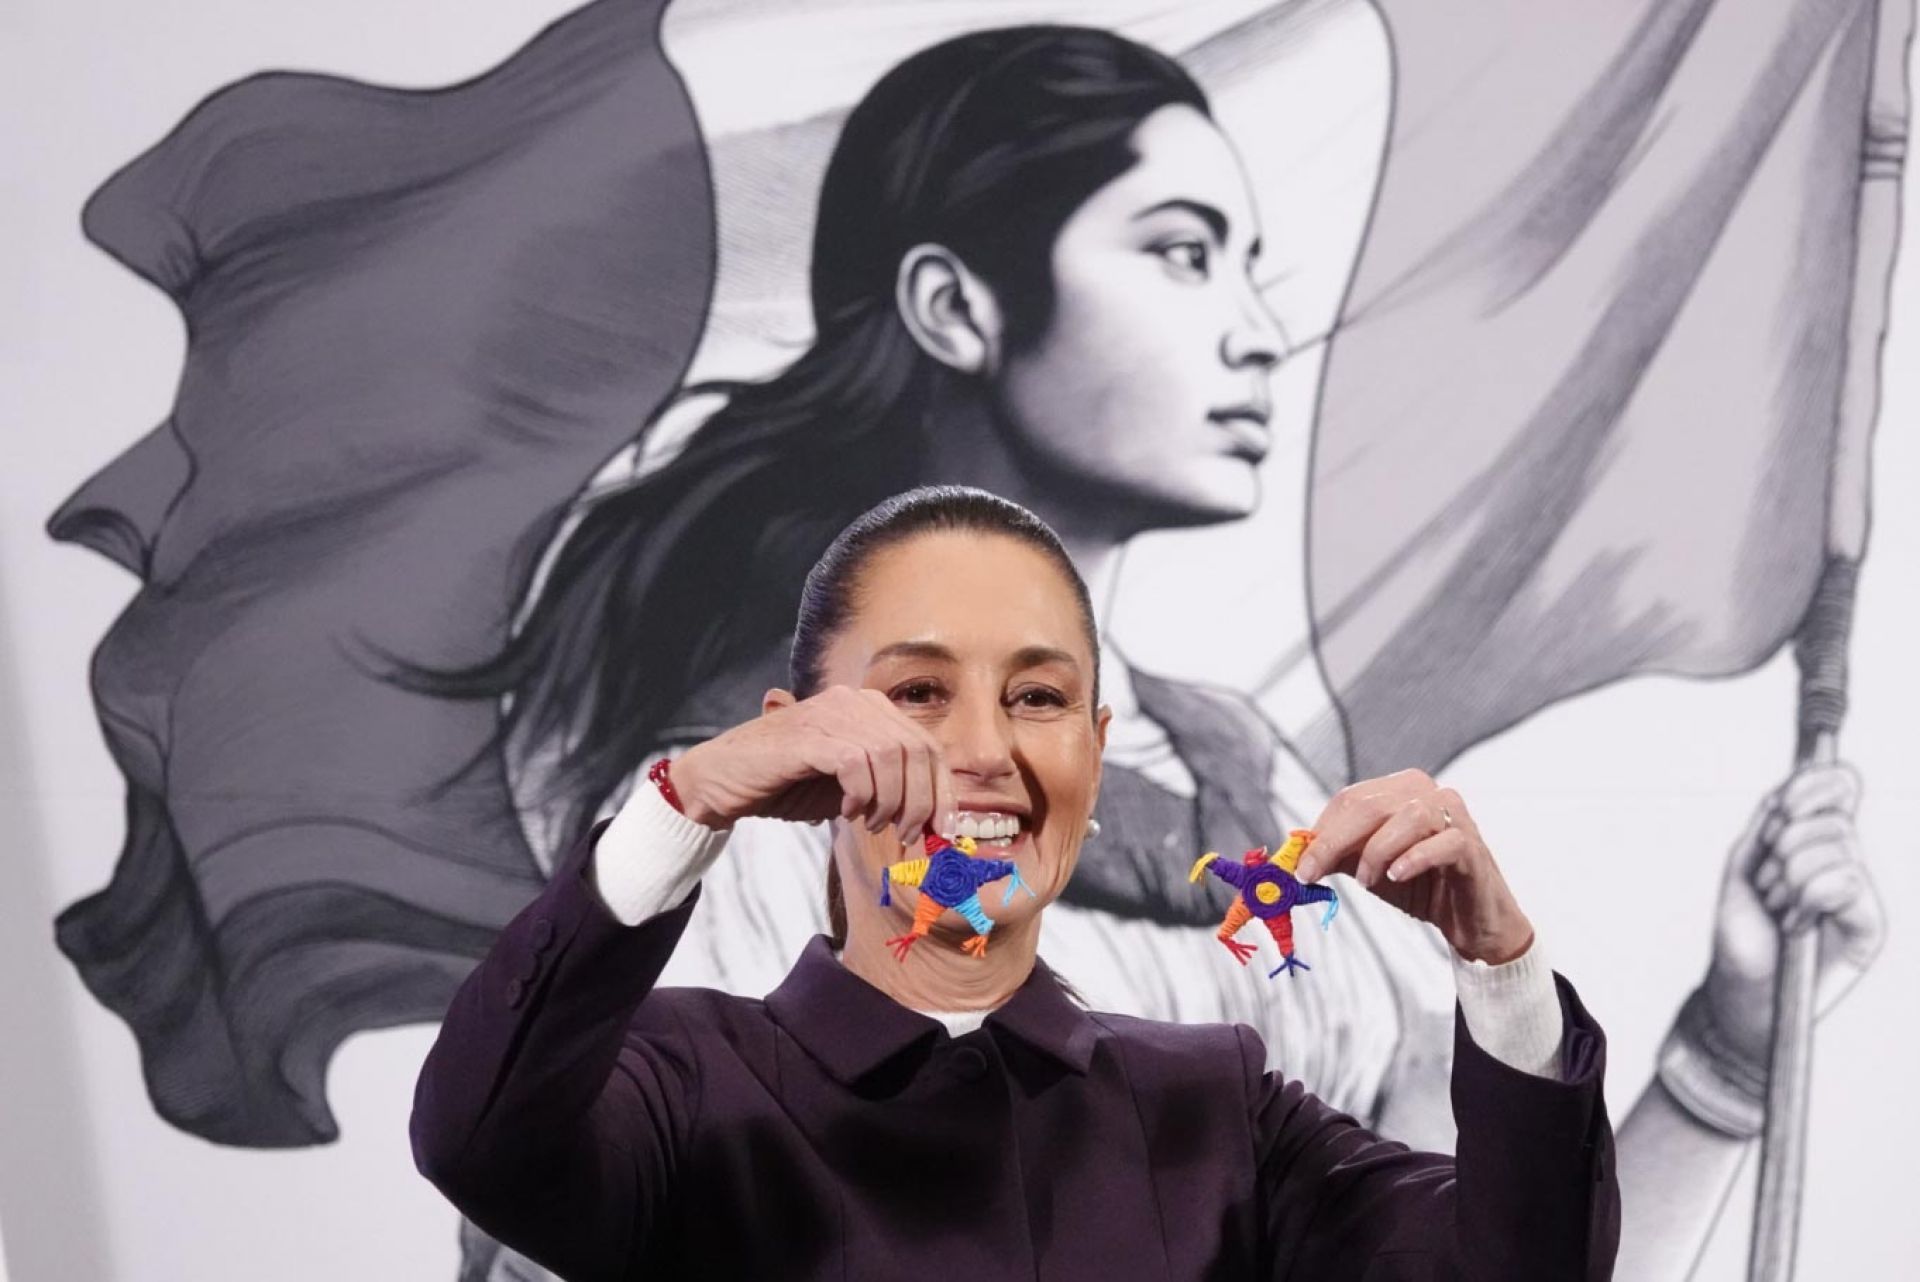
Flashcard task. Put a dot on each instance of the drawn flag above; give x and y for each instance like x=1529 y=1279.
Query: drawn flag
x=1579 y=419
x=419 y=322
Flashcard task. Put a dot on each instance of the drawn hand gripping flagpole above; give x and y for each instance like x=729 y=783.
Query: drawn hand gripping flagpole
x=1820 y=646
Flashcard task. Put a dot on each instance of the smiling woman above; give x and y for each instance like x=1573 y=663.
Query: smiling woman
x=883 y=1099
x=1032 y=272
x=1052 y=690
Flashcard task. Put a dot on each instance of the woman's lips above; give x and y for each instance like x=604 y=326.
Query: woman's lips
x=994 y=850
x=982 y=823
x=1246 y=427
x=1017 y=850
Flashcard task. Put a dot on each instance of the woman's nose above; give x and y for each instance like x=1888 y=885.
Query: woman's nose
x=1255 y=338
x=978 y=739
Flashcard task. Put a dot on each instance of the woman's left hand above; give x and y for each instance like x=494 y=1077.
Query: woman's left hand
x=1414 y=844
x=1797 y=865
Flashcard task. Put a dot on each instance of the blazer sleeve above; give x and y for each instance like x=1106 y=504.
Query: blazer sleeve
x=544 y=1111
x=1531 y=1193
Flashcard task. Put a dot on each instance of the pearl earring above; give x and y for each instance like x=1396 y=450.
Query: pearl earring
x=1093 y=829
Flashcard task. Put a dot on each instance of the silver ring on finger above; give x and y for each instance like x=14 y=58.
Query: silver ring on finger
x=1446 y=818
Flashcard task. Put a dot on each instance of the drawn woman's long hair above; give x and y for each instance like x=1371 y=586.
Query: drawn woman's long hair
x=984 y=144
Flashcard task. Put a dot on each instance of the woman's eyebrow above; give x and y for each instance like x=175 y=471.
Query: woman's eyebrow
x=1033 y=656
x=912 y=650
x=1030 y=656
x=1215 y=220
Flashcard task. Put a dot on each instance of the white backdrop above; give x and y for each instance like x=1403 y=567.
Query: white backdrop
x=94 y=1186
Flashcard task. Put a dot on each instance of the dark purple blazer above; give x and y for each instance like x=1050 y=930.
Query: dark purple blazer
x=613 y=1130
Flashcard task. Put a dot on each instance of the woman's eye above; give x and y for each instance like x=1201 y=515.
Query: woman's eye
x=917 y=692
x=1040 y=697
x=1187 y=257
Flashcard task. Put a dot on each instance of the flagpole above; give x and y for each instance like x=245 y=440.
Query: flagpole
x=1821 y=644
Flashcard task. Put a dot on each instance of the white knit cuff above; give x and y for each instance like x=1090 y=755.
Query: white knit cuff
x=1513 y=1011
x=650 y=857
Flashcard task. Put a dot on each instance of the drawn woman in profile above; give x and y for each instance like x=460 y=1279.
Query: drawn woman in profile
x=1031 y=271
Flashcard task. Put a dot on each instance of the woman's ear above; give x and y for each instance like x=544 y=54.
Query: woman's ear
x=776 y=698
x=1101 y=721
x=950 y=312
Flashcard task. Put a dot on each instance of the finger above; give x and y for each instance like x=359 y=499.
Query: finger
x=1415 y=820
x=1830 y=786
x=866 y=721
x=944 y=800
x=1825 y=829
x=922 y=775
x=888 y=756
x=1856 y=929
x=1824 y=897
x=916 y=802
x=1796 y=876
x=1445 y=849
x=1752 y=845
x=938 y=783
x=1454 y=807
x=1777 y=863
x=1803 y=865
x=1351 y=817
x=845 y=763
x=1795 y=872
x=896 y=744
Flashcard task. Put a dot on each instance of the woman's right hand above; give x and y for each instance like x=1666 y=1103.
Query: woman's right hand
x=842 y=753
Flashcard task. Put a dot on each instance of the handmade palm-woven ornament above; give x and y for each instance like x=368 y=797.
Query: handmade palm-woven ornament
x=1267 y=891
x=949 y=876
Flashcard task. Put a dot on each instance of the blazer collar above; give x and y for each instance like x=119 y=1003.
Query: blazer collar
x=852 y=1028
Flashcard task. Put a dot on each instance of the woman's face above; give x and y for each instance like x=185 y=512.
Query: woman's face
x=978 y=638
x=1148 y=391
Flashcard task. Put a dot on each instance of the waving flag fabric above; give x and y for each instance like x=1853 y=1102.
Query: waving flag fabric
x=1579 y=418
x=419 y=322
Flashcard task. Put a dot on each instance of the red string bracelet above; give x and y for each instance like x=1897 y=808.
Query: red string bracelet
x=658 y=774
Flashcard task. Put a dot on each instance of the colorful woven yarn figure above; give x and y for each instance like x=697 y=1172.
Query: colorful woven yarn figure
x=949 y=876
x=1269 y=891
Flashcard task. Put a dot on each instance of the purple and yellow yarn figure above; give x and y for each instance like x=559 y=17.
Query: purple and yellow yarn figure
x=1269 y=891
x=949 y=876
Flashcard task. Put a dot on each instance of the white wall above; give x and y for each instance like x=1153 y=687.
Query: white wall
x=92 y=1186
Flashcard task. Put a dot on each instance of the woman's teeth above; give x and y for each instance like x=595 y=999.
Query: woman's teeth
x=985 y=827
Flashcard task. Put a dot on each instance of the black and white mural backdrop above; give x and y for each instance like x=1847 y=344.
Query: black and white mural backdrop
x=422 y=414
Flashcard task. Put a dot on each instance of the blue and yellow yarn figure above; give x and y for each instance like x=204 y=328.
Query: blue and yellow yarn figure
x=1269 y=891
x=949 y=876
